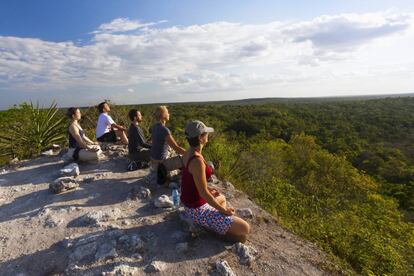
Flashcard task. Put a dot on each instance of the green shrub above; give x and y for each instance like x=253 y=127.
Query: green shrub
x=32 y=130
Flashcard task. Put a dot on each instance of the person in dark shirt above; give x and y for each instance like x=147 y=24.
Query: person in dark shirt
x=162 y=138
x=138 y=146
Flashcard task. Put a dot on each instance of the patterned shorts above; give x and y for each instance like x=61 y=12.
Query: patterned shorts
x=210 y=218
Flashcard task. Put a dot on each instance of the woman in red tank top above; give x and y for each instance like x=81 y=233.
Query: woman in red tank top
x=205 y=205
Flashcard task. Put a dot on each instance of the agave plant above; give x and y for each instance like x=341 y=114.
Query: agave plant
x=34 y=130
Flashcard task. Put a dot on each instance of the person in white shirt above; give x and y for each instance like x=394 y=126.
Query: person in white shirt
x=106 y=129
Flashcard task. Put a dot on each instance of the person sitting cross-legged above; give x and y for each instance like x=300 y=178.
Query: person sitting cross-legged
x=138 y=146
x=106 y=129
x=80 y=147
x=202 y=204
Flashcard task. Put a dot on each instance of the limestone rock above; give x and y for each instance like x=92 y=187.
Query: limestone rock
x=96 y=217
x=70 y=170
x=82 y=252
x=163 y=202
x=123 y=270
x=155 y=266
x=141 y=193
x=48 y=153
x=228 y=186
x=63 y=184
x=245 y=213
x=14 y=161
x=224 y=269
x=247 y=254
x=132 y=243
x=52 y=221
x=106 y=251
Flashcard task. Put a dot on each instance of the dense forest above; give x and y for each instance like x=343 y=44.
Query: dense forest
x=339 y=173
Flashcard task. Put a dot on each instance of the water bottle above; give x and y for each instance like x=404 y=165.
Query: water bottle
x=175 y=197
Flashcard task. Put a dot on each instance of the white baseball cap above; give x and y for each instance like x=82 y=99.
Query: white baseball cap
x=196 y=128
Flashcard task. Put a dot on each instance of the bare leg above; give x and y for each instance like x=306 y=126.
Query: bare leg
x=121 y=134
x=238 y=230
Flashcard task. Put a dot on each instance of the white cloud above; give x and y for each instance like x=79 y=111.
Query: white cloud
x=119 y=25
x=218 y=56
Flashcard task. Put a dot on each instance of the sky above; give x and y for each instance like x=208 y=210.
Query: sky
x=80 y=52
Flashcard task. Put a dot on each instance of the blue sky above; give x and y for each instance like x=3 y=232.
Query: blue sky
x=80 y=52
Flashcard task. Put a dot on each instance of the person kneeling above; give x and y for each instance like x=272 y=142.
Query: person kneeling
x=138 y=146
x=80 y=147
x=202 y=204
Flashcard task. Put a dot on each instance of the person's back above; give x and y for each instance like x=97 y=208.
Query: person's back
x=159 y=149
x=104 y=125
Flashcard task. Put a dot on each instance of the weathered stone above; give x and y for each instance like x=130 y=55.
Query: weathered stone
x=95 y=218
x=132 y=243
x=213 y=179
x=247 y=254
x=63 y=184
x=163 y=202
x=228 y=186
x=245 y=213
x=70 y=170
x=181 y=247
x=82 y=252
x=137 y=257
x=224 y=269
x=14 y=161
x=155 y=266
x=106 y=251
x=123 y=270
x=52 y=221
x=67 y=242
x=116 y=233
x=48 y=153
x=141 y=193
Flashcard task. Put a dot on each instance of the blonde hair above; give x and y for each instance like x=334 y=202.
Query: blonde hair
x=159 y=112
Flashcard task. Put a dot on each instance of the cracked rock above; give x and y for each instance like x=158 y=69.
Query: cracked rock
x=245 y=213
x=141 y=193
x=63 y=184
x=247 y=254
x=155 y=266
x=163 y=202
x=95 y=218
x=132 y=243
x=224 y=269
x=106 y=251
x=70 y=170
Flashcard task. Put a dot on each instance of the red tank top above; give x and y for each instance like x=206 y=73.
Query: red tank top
x=189 y=193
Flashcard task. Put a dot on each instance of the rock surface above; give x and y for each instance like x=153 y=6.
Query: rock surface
x=163 y=201
x=224 y=269
x=70 y=170
x=63 y=184
x=83 y=232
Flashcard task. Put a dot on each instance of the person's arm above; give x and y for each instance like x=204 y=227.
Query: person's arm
x=89 y=141
x=74 y=131
x=197 y=169
x=118 y=126
x=141 y=139
x=171 y=142
x=111 y=122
